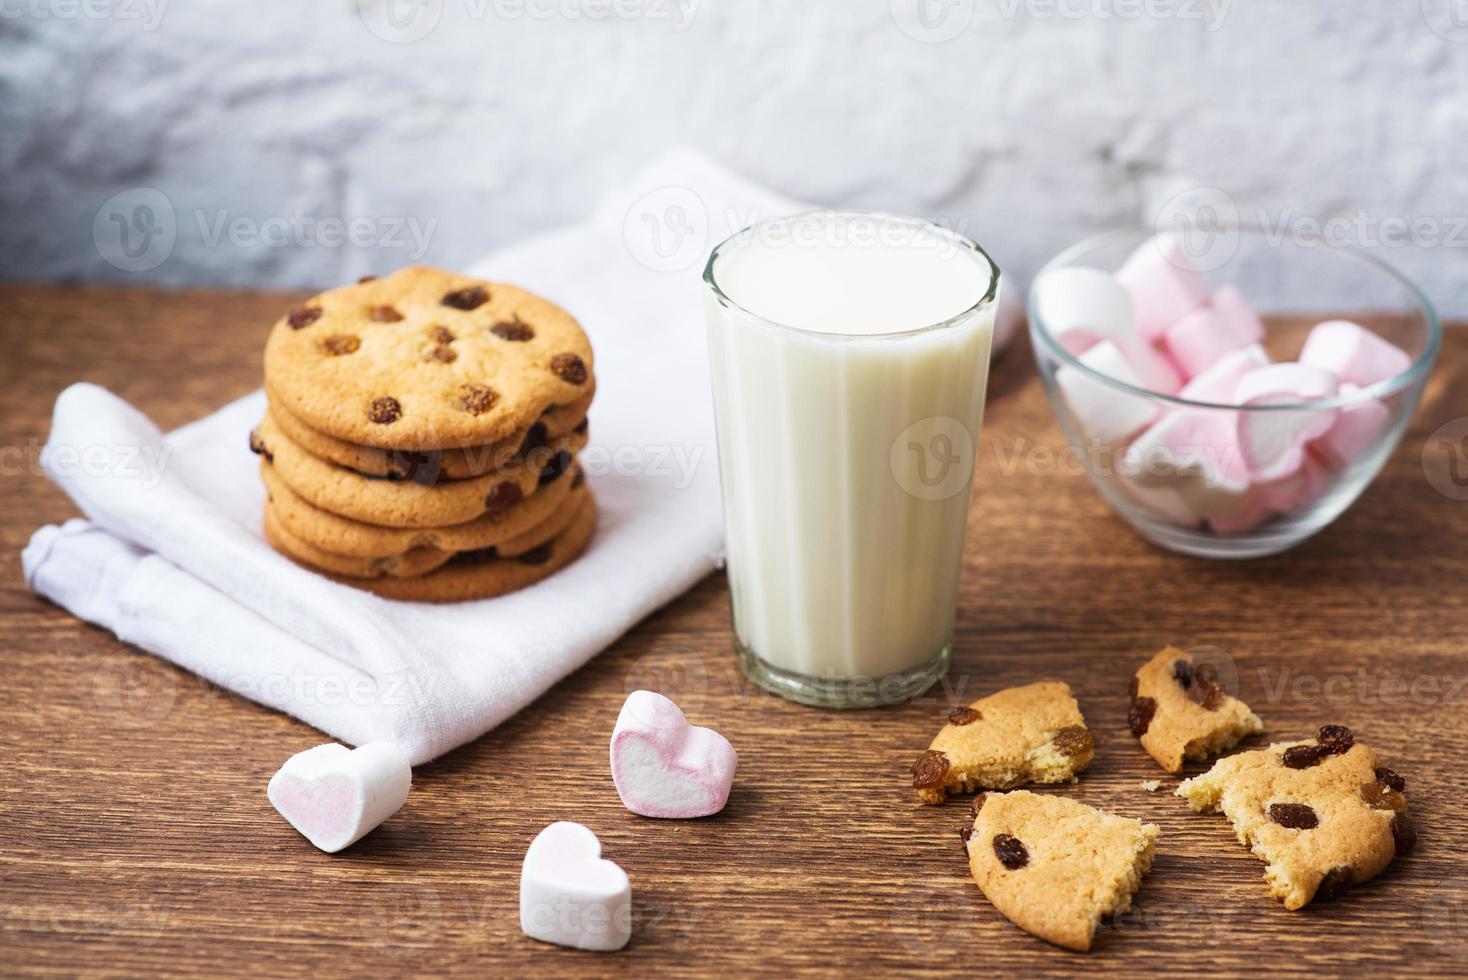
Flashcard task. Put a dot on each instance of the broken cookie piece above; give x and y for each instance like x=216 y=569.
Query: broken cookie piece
x=1322 y=815
x=1180 y=710
x=1030 y=734
x=1055 y=867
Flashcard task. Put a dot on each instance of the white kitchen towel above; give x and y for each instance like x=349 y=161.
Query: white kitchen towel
x=171 y=557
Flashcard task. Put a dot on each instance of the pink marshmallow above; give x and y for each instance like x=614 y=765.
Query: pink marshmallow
x=1218 y=383
x=1081 y=307
x=1193 y=453
x=1352 y=353
x=1164 y=285
x=1104 y=413
x=663 y=766
x=1355 y=429
x=1273 y=442
x=1246 y=518
x=1201 y=338
x=1298 y=490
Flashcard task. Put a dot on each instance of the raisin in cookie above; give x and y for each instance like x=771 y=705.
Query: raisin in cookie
x=425 y=359
x=344 y=536
x=448 y=464
x=1180 y=711
x=1021 y=735
x=423 y=559
x=484 y=576
x=1055 y=867
x=408 y=503
x=1322 y=815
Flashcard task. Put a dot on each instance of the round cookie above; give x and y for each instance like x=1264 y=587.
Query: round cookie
x=354 y=539
x=406 y=503
x=469 y=578
x=427 y=359
x=445 y=464
x=420 y=561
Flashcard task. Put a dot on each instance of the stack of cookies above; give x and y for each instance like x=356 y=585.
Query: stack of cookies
x=422 y=435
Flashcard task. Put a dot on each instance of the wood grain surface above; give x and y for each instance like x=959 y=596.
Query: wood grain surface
x=135 y=836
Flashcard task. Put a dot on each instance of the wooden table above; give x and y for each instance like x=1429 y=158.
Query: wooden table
x=135 y=836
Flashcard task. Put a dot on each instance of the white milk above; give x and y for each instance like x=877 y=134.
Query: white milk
x=846 y=444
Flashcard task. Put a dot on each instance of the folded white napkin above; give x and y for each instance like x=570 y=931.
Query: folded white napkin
x=172 y=558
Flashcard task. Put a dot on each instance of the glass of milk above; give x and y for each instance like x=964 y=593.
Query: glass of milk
x=849 y=353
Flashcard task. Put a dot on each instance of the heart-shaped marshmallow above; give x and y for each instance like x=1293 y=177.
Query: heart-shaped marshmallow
x=335 y=796
x=1273 y=440
x=663 y=766
x=570 y=895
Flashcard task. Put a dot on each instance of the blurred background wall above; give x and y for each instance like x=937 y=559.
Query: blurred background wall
x=303 y=143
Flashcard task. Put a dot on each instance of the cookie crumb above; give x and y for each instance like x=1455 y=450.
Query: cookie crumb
x=1151 y=785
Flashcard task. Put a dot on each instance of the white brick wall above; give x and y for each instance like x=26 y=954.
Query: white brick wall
x=1039 y=122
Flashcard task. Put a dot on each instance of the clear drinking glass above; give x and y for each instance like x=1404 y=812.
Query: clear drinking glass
x=849 y=354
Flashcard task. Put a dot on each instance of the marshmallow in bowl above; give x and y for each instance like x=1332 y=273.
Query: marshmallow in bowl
x=1200 y=339
x=1273 y=442
x=1217 y=384
x=1194 y=454
x=1081 y=307
x=1353 y=354
x=1163 y=283
x=1106 y=414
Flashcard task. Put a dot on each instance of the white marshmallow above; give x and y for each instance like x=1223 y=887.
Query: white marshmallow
x=664 y=767
x=570 y=895
x=1104 y=413
x=1194 y=454
x=1218 y=384
x=1163 y=283
x=1352 y=353
x=1081 y=307
x=1273 y=442
x=335 y=796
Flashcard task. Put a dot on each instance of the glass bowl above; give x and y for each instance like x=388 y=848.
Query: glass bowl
x=1216 y=517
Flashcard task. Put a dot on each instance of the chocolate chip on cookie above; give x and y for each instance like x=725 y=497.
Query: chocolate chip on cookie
x=257 y=446
x=503 y=495
x=385 y=410
x=1180 y=710
x=384 y=314
x=963 y=716
x=929 y=769
x=514 y=329
x=468 y=298
x=535 y=556
x=443 y=354
x=1011 y=851
x=303 y=316
x=1295 y=816
x=569 y=368
x=1139 y=716
x=476 y=399
x=341 y=343
x=440 y=334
